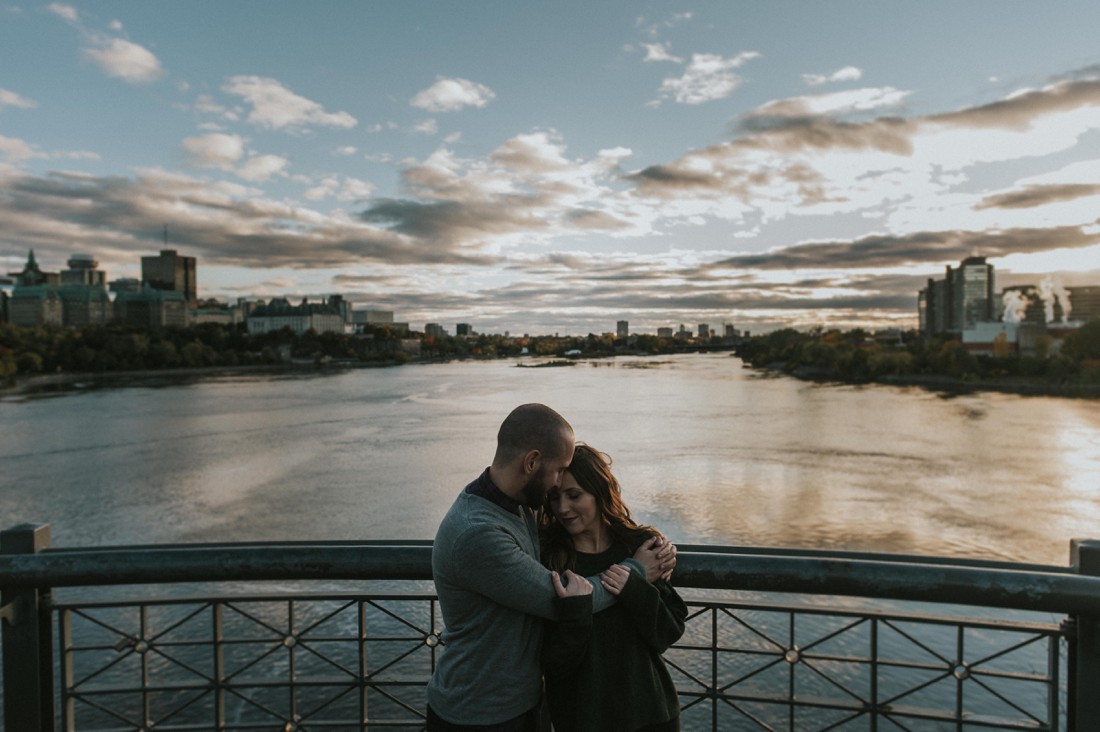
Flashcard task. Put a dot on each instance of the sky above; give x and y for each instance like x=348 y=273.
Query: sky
x=555 y=167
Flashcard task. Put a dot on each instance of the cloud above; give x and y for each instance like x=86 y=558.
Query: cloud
x=451 y=95
x=848 y=73
x=427 y=127
x=276 y=107
x=708 y=77
x=215 y=150
x=14 y=149
x=922 y=247
x=126 y=60
x=1038 y=195
x=260 y=168
x=659 y=52
x=68 y=12
x=345 y=150
x=11 y=99
x=221 y=223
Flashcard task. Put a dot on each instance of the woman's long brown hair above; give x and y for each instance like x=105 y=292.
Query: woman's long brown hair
x=592 y=471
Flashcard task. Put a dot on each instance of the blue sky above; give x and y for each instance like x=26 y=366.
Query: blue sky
x=558 y=166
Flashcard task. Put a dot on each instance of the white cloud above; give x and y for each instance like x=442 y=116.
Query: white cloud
x=452 y=138
x=11 y=99
x=346 y=150
x=356 y=190
x=276 y=107
x=707 y=77
x=215 y=150
x=205 y=103
x=115 y=25
x=451 y=95
x=126 y=60
x=14 y=149
x=261 y=167
x=848 y=73
x=68 y=12
x=427 y=127
x=659 y=52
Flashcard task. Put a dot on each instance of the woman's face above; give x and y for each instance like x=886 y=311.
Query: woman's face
x=575 y=507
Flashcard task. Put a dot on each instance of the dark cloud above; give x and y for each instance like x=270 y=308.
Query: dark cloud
x=222 y=224
x=1019 y=111
x=925 y=247
x=1038 y=195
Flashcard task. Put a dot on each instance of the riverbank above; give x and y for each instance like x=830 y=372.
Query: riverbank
x=947 y=384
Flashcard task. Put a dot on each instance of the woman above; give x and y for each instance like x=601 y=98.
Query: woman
x=604 y=672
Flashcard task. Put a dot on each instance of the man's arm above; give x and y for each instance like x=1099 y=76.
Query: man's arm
x=492 y=563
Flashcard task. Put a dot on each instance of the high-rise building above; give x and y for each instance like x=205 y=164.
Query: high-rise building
x=962 y=299
x=463 y=329
x=704 y=331
x=1084 y=303
x=169 y=271
x=622 y=329
x=434 y=330
x=973 y=293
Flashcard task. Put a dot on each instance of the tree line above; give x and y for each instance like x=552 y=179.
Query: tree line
x=857 y=356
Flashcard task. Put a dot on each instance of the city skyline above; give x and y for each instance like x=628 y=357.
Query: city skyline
x=557 y=168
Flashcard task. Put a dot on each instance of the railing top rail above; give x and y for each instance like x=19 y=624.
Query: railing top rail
x=716 y=568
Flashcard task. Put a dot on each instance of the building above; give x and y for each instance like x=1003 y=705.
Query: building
x=33 y=305
x=169 y=271
x=75 y=297
x=327 y=316
x=704 y=331
x=124 y=284
x=32 y=275
x=151 y=308
x=1003 y=339
x=664 y=332
x=622 y=329
x=84 y=270
x=961 y=300
x=1084 y=303
x=434 y=330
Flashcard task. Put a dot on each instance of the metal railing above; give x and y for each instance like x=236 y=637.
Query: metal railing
x=772 y=641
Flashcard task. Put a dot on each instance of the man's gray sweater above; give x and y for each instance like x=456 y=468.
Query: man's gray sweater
x=494 y=595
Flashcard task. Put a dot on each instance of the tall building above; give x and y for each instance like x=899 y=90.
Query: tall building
x=961 y=300
x=622 y=329
x=463 y=329
x=169 y=271
x=704 y=331
x=1084 y=303
x=973 y=293
x=434 y=330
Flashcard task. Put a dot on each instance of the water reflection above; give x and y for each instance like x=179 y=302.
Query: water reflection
x=707 y=450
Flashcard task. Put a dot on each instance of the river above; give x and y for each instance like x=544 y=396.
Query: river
x=707 y=450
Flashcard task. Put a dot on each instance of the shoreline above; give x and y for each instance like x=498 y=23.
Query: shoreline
x=63 y=382
x=948 y=384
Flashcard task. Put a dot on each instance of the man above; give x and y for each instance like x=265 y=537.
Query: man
x=493 y=591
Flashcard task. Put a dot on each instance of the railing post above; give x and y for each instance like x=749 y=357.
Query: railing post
x=27 y=639
x=1085 y=559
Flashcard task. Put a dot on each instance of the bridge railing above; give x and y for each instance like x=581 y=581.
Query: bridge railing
x=776 y=639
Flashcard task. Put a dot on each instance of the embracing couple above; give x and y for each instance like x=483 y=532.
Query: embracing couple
x=542 y=573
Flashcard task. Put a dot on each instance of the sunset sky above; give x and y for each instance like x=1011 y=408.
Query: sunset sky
x=540 y=167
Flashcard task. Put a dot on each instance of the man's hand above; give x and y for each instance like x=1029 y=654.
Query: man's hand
x=658 y=556
x=574 y=585
x=614 y=578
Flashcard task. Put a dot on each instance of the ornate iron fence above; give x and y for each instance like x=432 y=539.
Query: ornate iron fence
x=301 y=659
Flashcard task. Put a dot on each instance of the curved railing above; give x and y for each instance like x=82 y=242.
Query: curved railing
x=772 y=642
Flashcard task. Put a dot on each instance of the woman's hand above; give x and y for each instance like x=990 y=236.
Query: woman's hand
x=658 y=556
x=614 y=578
x=574 y=585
